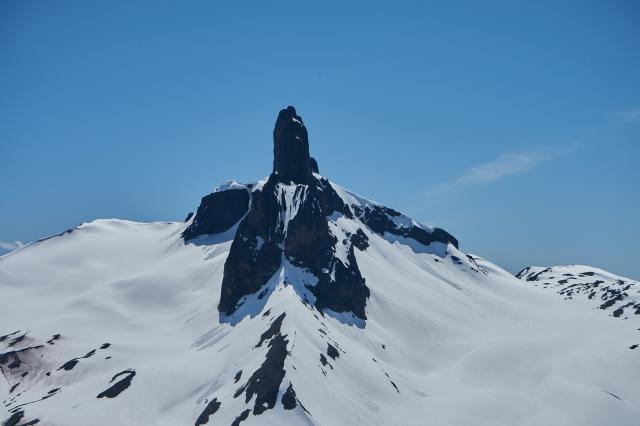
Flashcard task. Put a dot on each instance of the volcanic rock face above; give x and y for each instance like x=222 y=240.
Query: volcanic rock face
x=314 y=166
x=218 y=211
x=288 y=224
x=380 y=219
x=288 y=221
x=291 y=160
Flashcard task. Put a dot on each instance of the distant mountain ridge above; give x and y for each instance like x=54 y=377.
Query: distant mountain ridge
x=618 y=296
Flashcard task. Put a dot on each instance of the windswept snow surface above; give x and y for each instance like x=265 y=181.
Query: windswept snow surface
x=229 y=184
x=617 y=296
x=450 y=339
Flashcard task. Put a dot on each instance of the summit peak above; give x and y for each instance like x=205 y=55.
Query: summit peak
x=291 y=159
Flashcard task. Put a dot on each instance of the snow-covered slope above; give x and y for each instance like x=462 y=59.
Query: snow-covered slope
x=294 y=301
x=447 y=340
x=618 y=296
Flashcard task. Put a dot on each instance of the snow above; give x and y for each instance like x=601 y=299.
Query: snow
x=437 y=248
x=464 y=342
x=592 y=287
x=293 y=196
x=259 y=184
x=229 y=184
x=351 y=198
x=259 y=242
x=341 y=228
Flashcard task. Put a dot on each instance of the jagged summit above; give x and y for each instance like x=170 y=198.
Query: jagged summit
x=287 y=227
x=291 y=159
x=289 y=223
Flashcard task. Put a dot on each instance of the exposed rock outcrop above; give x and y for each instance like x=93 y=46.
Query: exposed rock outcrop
x=291 y=221
x=380 y=220
x=314 y=166
x=291 y=160
x=298 y=230
x=218 y=212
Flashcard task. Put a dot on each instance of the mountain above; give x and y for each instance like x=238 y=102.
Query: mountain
x=615 y=295
x=292 y=300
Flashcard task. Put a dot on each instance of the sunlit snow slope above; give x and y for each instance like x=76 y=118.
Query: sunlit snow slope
x=618 y=296
x=294 y=301
x=449 y=339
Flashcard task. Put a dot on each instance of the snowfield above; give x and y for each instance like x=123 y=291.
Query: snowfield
x=615 y=295
x=449 y=339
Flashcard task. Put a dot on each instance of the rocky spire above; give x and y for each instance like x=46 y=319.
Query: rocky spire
x=291 y=160
x=276 y=222
x=314 y=166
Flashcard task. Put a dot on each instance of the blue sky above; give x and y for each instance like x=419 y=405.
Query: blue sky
x=513 y=125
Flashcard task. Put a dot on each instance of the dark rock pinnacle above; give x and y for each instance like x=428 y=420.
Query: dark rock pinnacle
x=291 y=160
x=267 y=235
x=218 y=212
x=286 y=223
x=314 y=166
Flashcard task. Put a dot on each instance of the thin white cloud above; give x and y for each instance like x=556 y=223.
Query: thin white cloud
x=630 y=115
x=11 y=246
x=503 y=166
